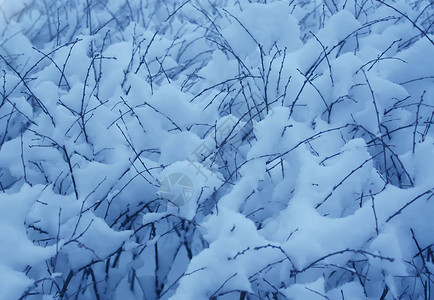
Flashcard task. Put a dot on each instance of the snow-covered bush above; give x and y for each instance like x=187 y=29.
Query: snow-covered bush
x=216 y=149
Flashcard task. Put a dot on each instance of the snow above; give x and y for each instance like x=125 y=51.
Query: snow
x=314 y=290
x=216 y=149
x=276 y=24
x=13 y=283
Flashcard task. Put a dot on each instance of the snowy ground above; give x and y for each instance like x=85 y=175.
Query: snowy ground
x=218 y=149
